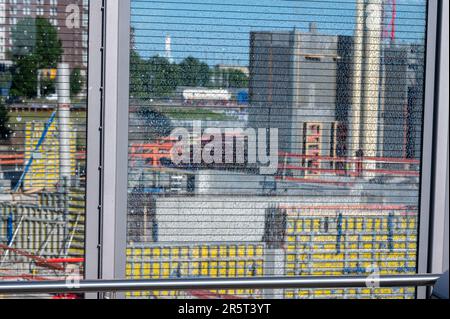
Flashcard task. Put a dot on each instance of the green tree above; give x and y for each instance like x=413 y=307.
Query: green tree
x=152 y=78
x=237 y=79
x=5 y=131
x=24 y=76
x=76 y=82
x=137 y=76
x=161 y=77
x=35 y=46
x=193 y=72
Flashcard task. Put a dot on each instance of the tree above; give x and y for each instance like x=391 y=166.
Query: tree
x=137 y=75
x=152 y=78
x=24 y=76
x=237 y=79
x=35 y=46
x=76 y=82
x=48 y=46
x=161 y=77
x=229 y=78
x=5 y=131
x=192 y=72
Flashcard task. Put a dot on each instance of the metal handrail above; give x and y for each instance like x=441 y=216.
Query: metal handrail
x=235 y=283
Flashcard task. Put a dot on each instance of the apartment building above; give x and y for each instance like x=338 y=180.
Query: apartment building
x=68 y=16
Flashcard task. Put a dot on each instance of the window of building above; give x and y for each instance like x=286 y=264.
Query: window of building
x=304 y=78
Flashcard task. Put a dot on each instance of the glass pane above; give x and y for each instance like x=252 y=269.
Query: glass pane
x=275 y=138
x=43 y=73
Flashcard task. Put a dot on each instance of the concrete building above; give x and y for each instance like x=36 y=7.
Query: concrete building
x=70 y=17
x=294 y=80
x=402 y=101
x=2 y=33
x=416 y=94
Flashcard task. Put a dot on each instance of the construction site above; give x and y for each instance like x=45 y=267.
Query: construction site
x=42 y=201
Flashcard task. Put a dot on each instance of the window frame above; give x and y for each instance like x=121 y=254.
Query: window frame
x=109 y=34
x=107 y=162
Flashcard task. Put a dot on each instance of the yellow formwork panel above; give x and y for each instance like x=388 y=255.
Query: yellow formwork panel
x=289 y=294
x=175 y=252
x=165 y=270
x=259 y=268
x=250 y=251
x=166 y=253
x=137 y=252
x=243 y=260
x=316 y=224
x=44 y=172
x=307 y=225
x=223 y=251
x=128 y=270
x=196 y=252
x=241 y=269
x=146 y=272
x=222 y=269
x=290 y=258
x=232 y=251
x=214 y=251
x=137 y=270
x=213 y=269
x=232 y=269
x=323 y=238
x=196 y=269
x=205 y=252
x=364 y=242
x=299 y=226
x=241 y=251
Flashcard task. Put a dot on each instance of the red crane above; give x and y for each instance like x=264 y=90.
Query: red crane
x=389 y=19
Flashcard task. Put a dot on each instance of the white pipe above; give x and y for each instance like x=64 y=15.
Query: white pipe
x=63 y=90
x=364 y=128
x=355 y=116
x=372 y=54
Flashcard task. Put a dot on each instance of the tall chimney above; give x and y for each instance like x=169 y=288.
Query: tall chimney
x=169 y=49
x=366 y=88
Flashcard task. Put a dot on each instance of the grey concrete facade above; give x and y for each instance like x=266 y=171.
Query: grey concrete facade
x=402 y=101
x=295 y=78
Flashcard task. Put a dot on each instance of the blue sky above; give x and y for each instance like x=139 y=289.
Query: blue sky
x=218 y=31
